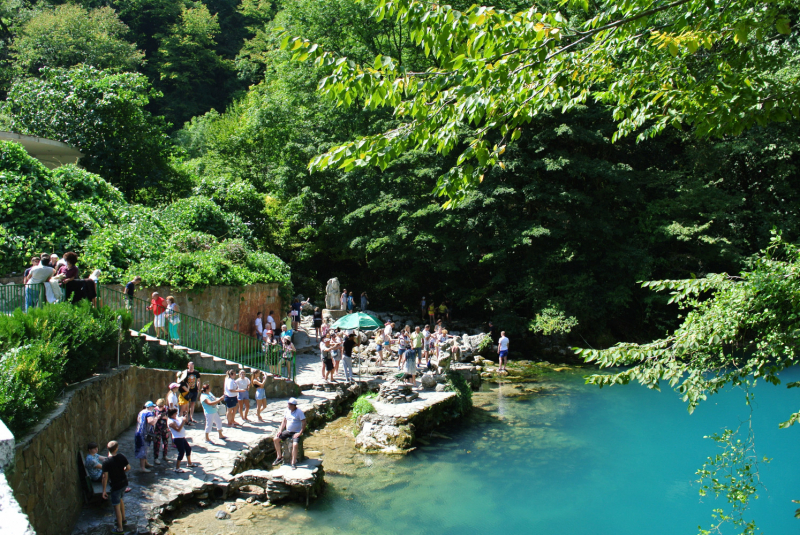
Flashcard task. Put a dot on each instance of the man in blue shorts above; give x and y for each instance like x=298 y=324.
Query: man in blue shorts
x=502 y=351
x=292 y=426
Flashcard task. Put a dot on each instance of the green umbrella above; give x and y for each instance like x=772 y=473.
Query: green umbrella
x=358 y=320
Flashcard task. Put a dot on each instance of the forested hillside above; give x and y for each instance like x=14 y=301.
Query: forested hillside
x=193 y=107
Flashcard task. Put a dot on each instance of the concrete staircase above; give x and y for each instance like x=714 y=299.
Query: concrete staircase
x=201 y=360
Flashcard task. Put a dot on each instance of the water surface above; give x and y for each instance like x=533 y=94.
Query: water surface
x=550 y=457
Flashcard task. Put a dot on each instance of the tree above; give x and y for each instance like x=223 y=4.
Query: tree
x=102 y=114
x=70 y=35
x=188 y=64
x=718 y=67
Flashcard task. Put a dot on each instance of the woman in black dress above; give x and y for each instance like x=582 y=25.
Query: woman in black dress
x=318 y=322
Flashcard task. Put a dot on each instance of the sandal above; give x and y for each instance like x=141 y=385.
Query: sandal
x=278 y=461
x=193 y=465
x=179 y=470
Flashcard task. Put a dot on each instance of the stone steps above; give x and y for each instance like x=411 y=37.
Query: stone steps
x=202 y=360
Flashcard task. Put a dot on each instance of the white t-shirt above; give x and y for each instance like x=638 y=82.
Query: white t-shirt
x=294 y=420
x=243 y=383
x=387 y=331
x=259 y=326
x=230 y=384
x=271 y=322
x=176 y=421
x=503 y=343
x=40 y=274
x=172 y=400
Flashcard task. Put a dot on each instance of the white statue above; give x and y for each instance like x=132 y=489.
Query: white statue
x=332 y=292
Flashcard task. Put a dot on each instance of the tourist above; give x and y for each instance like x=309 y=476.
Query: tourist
x=336 y=352
x=271 y=321
x=144 y=421
x=294 y=313
x=379 y=347
x=243 y=384
x=426 y=344
x=35 y=261
x=130 y=289
x=172 y=397
x=57 y=262
x=173 y=318
x=95 y=276
x=417 y=339
x=161 y=431
x=269 y=338
x=44 y=259
x=351 y=305
x=93 y=463
x=37 y=277
x=287 y=356
x=183 y=391
x=441 y=341
x=388 y=330
x=209 y=404
x=231 y=398
x=318 y=323
x=158 y=307
x=285 y=332
x=403 y=343
x=292 y=426
x=408 y=359
x=68 y=271
x=176 y=427
x=347 y=357
x=259 y=326
x=442 y=312
x=258 y=378
x=193 y=381
x=116 y=481
x=423 y=307
x=364 y=302
x=502 y=351
x=431 y=313
x=325 y=357
x=343 y=300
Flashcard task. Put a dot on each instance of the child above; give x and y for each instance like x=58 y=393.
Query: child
x=288 y=355
x=94 y=462
x=176 y=427
x=258 y=381
x=161 y=440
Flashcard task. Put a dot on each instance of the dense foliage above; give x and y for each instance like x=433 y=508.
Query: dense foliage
x=189 y=243
x=47 y=348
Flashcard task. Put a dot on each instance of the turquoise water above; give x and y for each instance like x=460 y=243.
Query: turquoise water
x=571 y=459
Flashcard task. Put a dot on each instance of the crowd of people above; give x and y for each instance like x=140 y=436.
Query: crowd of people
x=166 y=421
x=59 y=277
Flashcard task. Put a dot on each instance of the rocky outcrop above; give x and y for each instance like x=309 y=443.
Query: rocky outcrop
x=284 y=483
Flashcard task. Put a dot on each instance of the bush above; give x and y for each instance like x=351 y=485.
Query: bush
x=201 y=214
x=363 y=406
x=456 y=383
x=30 y=380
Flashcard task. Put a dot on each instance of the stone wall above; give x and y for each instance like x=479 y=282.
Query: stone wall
x=232 y=307
x=44 y=473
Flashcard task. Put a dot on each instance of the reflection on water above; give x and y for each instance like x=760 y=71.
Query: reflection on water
x=549 y=457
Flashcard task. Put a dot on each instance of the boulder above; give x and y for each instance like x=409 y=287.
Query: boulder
x=440 y=388
x=383 y=434
x=445 y=359
x=301 y=340
x=222 y=515
x=428 y=381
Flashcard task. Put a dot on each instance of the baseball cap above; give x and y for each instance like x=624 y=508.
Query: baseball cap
x=173 y=385
x=292 y=401
x=149 y=404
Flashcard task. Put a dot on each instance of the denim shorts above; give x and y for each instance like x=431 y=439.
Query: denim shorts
x=260 y=394
x=115 y=496
x=244 y=395
x=231 y=401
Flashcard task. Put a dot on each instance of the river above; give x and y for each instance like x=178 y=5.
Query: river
x=555 y=456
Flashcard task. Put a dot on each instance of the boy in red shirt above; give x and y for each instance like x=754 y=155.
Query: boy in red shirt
x=158 y=306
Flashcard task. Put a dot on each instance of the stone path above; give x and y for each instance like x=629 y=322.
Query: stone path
x=216 y=460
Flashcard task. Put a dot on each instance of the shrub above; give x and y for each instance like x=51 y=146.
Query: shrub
x=363 y=406
x=30 y=380
x=201 y=214
x=456 y=383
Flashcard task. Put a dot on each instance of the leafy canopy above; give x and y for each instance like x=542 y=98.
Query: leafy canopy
x=720 y=67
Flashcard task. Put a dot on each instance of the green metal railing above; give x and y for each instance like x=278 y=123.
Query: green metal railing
x=199 y=335
x=22 y=296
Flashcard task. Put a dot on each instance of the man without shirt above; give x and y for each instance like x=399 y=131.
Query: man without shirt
x=292 y=426
x=114 y=472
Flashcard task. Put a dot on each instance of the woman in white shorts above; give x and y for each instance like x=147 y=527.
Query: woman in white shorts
x=209 y=403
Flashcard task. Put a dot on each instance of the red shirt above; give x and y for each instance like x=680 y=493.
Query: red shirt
x=157 y=305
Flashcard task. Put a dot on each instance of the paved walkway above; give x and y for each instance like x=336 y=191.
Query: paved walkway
x=216 y=460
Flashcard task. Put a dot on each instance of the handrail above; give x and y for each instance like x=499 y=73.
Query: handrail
x=22 y=296
x=200 y=335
